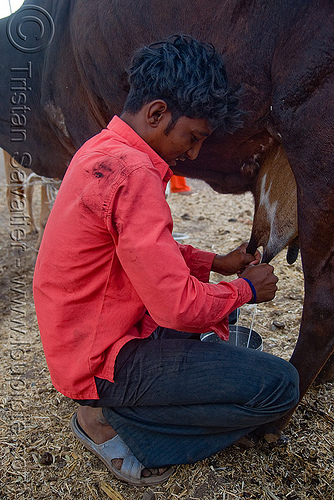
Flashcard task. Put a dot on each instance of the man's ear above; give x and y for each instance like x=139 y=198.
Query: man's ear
x=157 y=112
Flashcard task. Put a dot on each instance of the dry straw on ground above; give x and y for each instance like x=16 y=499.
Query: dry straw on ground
x=40 y=459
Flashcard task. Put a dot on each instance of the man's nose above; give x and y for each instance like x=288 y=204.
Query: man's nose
x=192 y=153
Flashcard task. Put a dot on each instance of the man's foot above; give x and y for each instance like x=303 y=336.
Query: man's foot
x=96 y=427
x=94 y=424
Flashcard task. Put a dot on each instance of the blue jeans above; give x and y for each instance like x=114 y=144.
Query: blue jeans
x=177 y=400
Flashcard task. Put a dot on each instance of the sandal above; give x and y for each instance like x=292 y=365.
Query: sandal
x=116 y=448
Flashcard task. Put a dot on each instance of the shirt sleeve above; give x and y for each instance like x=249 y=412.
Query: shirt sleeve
x=198 y=261
x=158 y=268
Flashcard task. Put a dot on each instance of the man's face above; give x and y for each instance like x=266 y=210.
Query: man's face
x=183 y=141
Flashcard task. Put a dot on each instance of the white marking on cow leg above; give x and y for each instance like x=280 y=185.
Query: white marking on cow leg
x=281 y=232
x=270 y=210
x=57 y=117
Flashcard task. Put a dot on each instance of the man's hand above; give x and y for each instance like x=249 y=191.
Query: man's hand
x=235 y=261
x=263 y=280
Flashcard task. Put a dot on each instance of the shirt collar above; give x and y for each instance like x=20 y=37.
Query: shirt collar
x=128 y=136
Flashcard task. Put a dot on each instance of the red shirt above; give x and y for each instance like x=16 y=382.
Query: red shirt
x=108 y=256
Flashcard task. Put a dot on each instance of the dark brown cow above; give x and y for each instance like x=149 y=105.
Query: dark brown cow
x=55 y=95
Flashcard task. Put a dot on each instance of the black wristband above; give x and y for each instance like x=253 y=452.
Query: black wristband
x=253 y=301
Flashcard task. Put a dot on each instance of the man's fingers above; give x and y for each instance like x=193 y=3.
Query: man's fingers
x=243 y=247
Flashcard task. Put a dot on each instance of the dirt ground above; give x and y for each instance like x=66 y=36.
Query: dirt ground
x=39 y=457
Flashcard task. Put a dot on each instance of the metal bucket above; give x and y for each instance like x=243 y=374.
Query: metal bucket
x=239 y=335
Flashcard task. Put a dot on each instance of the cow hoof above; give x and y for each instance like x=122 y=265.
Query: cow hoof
x=271 y=437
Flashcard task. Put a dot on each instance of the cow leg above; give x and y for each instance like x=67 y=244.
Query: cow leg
x=316 y=340
x=315 y=343
x=45 y=212
x=15 y=177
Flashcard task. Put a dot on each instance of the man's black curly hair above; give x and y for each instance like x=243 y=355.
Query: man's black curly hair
x=189 y=76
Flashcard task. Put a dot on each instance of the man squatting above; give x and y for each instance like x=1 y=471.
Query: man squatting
x=121 y=305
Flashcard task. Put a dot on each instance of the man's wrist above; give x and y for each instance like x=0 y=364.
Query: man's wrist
x=216 y=267
x=253 y=300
